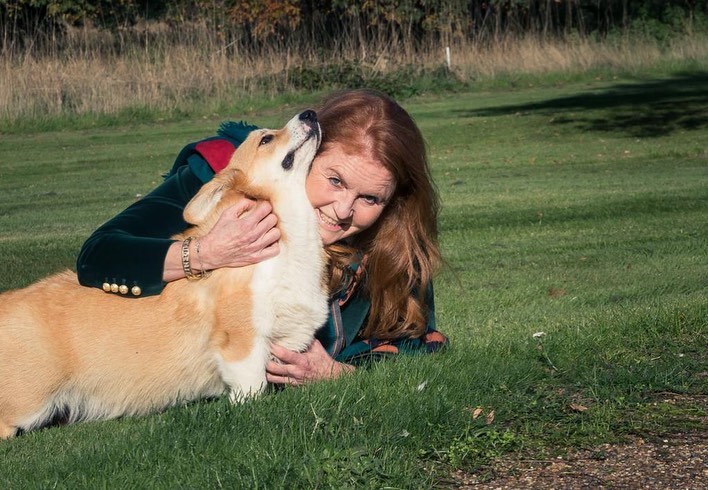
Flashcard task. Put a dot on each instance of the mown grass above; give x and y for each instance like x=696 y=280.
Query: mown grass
x=577 y=210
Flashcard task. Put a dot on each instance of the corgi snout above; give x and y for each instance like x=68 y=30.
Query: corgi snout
x=305 y=135
x=309 y=117
x=304 y=127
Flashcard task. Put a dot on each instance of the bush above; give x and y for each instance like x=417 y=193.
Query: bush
x=406 y=81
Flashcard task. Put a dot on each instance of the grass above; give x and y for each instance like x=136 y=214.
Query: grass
x=577 y=210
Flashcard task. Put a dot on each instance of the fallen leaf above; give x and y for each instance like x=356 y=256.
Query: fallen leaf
x=558 y=467
x=490 y=417
x=578 y=407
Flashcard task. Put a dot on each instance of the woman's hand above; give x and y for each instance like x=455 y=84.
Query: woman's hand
x=244 y=234
x=296 y=368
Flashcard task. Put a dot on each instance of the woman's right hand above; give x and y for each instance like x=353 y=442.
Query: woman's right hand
x=245 y=234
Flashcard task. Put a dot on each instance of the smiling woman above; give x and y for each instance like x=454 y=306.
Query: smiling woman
x=348 y=192
x=371 y=189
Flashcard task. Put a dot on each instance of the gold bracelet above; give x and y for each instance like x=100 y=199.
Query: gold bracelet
x=186 y=264
x=203 y=273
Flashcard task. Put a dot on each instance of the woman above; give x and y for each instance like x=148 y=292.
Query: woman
x=371 y=189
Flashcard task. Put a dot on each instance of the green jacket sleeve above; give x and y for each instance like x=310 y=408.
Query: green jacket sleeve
x=130 y=249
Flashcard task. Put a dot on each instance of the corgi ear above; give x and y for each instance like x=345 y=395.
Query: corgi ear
x=204 y=202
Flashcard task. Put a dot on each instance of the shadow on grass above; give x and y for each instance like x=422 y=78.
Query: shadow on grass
x=638 y=207
x=646 y=109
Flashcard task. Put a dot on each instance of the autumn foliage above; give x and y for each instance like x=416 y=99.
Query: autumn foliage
x=36 y=24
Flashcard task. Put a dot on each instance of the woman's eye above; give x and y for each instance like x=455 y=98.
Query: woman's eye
x=370 y=199
x=266 y=139
x=334 y=181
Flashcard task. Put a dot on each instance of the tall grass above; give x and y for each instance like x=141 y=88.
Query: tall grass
x=167 y=74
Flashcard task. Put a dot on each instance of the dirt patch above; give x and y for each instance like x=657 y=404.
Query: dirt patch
x=678 y=460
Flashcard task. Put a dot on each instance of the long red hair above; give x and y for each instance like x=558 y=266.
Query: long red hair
x=401 y=249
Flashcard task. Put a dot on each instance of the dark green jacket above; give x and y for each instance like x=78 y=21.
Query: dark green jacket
x=130 y=250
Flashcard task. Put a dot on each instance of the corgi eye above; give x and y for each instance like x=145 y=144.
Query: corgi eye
x=266 y=139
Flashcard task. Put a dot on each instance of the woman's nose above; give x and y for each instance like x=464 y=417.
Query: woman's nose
x=344 y=208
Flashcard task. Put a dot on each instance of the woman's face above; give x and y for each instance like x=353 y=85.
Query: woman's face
x=348 y=192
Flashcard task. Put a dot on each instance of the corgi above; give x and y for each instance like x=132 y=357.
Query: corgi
x=78 y=352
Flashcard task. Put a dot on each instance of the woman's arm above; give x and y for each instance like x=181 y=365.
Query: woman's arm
x=135 y=249
x=363 y=351
x=131 y=248
x=235 y=241
x=316 y=363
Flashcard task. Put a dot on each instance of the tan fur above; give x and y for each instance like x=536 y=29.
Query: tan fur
x=64 y=346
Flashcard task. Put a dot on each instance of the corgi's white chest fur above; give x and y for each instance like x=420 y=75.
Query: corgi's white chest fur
x=289 y=300
x=289 y=286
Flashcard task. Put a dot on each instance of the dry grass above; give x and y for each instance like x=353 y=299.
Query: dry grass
x=164 y=72
x=533 y=55
x=34 y=87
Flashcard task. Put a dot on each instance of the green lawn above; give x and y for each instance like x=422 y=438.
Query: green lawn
x=576 y=212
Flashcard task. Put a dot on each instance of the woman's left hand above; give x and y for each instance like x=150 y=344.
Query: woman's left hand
x=296 y=368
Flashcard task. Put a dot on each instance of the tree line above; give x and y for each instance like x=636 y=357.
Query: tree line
x=36 y=24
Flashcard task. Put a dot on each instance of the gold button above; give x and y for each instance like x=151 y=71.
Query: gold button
x=136 y=290
x=114 y=288
x=123 y=289
x=106 y=287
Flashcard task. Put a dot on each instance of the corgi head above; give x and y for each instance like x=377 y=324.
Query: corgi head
x=267 y=164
